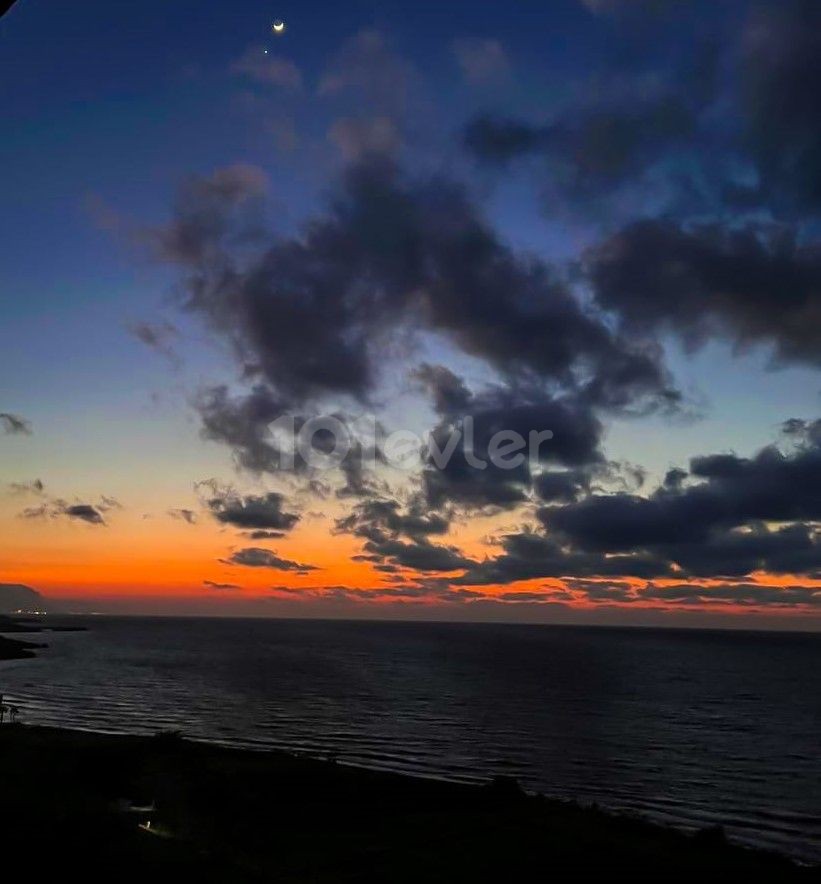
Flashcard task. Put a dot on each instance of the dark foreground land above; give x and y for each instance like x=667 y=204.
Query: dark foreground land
x=226 y=815
x=13 y=649
x=16 y=649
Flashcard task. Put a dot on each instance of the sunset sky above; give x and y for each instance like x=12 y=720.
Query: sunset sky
x=594 y=217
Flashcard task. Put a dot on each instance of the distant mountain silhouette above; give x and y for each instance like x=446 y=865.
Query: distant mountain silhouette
x=17 y=597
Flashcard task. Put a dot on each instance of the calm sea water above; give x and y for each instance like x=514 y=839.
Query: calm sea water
x=689 y=728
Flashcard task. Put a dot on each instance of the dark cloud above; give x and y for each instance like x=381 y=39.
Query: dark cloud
x=803 y=431
x=35 y=486
x=589 y=150
x=264 y=512
x=309 y=315
x=530 y=555
x=753 y=156
x=599 y=593
x=572 y=433
x=715 y=519
x=754 y=595
x=781 y=64
x=772 y=486
x=747 y=594
x=242 y=422
x=727 y=516
x=340 y=593
x=14 y=425
x=749 y=285
x=210 y=584
x=265 y=535
x=85 y=512
x=420 y=555
x=384 y=524
x=314 y=317
x=674 y=478
x=54 y=508
x=372 y=518
x=183 y=515
x=563 y=486
x=209 y=215
x=158 y=336
x=449 y=392
x=256 y=557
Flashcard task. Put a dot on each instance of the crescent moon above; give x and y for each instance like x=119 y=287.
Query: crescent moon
x=278 y=27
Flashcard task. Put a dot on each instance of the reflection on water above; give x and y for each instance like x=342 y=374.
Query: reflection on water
x=685 y=727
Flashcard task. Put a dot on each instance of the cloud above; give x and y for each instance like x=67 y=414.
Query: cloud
x=210 y=213
x=727 y=516
x=366 y=65
x=482 y=61
x=599 y=593
x=85 y=512
x=780 y=65
x=183 y=515
x=242 y=422
x=730 y=515
x=14 y=425
x=270 y=70
x=729 y=491
x=383 y=523
x=589 y=150
x=158 y=336
x=253 y=511
x=569 y=431
x=746 y=594
x=419 y=555
x=561 y=486
x=394 y=260
x=310 y=316
x=749 y=285
x=55 y=508
x=210 y=584
x=357 y=138
x=371 y=518
x=256 y=557
x=530 y=555
x=35 y=486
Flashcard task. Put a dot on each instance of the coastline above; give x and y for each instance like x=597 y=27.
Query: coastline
x=236 y=815
x=19 y=649
x=14 y=649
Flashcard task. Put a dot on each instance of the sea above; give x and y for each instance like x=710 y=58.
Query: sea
x=689 y=728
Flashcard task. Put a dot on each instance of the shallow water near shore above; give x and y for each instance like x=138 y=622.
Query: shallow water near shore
x=685 y=727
